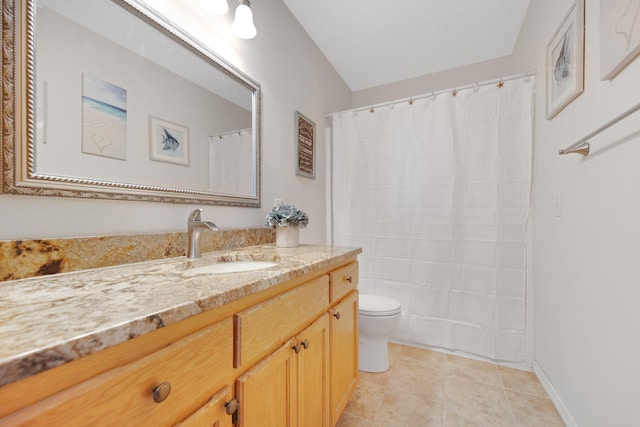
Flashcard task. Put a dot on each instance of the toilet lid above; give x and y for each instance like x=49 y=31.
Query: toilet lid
x=377 y=305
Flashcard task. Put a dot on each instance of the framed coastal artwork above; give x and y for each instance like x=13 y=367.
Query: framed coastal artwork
x=619 y=35
x=104 y=118
x=168 y=142
x=565 y=61
x=305 y=146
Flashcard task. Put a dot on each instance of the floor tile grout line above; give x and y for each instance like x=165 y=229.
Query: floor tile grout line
x=504 y=392
x=446 y=403
x=355 y=416
x=384 y=394
x=397 y=358
x=513 y=390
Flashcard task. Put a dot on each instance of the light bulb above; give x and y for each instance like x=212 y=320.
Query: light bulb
x=242 y=25
x=215 y=7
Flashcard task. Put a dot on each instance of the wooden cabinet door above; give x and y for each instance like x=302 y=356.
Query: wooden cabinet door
x=344 y=353
x=213 y=413
x=268 y=392
x=313 y=374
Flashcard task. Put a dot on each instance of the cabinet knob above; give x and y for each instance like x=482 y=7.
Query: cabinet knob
x=231 y=407
x=337 y=315
x=305 y=344
x=296 y=348
x=161 y=392
x=349 y=279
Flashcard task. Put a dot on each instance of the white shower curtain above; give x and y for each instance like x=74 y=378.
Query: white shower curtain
x=437 y=195
x=231 y=163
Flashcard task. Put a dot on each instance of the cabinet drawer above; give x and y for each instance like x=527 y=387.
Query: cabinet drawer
x=267 y=325
x=342 y=281
x=194 y=366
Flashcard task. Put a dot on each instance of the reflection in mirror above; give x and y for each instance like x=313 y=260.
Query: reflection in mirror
x=130 y=107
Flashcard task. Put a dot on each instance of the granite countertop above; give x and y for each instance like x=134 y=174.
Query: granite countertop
x=50 y=320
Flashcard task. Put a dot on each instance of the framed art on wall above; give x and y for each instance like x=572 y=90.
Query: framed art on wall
x=305 y=146
x=619 y=35
x=104 y=118
x=168 y=142
x=565 y=61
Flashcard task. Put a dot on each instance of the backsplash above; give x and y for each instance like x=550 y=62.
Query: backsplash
x=20 y=259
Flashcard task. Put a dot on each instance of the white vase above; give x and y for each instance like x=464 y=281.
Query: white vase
x=287 y=237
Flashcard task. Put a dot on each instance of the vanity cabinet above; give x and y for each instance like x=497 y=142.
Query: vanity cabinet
x=160 y=389
x=291 y=386
x=284 y=356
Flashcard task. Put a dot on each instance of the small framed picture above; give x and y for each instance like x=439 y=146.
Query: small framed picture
x=168 y=142
x=565 y=61
x=619 y=35
x=305 y=146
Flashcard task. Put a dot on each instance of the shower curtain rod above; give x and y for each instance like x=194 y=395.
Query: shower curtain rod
x=436 y=93
x=231 y=132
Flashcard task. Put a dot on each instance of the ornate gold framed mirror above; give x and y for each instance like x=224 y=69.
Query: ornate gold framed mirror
x=111 y=100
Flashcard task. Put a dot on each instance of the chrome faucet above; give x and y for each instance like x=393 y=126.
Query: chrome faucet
x=194 y=226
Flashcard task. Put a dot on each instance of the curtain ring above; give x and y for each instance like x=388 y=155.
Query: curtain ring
x=476 y=87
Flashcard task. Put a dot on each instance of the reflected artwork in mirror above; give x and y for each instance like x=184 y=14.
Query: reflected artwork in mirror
x=109 y=99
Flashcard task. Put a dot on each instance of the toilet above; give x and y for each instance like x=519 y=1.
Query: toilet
x=378 y=317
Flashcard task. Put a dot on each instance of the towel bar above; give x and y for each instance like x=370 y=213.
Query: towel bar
x=582 y=147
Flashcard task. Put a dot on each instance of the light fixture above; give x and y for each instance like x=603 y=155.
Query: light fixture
x=215 y=7
x=242 y=25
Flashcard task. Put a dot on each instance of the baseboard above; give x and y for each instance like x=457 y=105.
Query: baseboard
x=554 y=396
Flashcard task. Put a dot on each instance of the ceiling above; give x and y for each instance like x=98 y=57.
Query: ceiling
x=375 y=42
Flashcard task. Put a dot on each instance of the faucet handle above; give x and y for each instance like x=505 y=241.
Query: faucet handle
x=195 y=215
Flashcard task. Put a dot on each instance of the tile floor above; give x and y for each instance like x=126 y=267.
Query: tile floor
x=423 y=388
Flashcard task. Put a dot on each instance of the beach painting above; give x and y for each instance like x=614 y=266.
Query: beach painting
x=168 y=142
x=104 y=118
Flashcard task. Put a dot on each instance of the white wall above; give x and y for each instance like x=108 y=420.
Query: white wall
x=587 y=321
x=293 y=74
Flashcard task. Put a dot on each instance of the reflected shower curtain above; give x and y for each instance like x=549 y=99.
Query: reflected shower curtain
x=231 y=163
x=437 y=194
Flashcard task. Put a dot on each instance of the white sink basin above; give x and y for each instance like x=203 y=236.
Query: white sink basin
x=230 y=267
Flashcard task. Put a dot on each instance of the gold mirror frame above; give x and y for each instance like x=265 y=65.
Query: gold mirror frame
x=18 y=174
